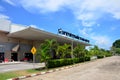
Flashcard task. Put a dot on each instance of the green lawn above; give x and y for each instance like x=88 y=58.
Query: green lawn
x=13 y=74
x=4 y=76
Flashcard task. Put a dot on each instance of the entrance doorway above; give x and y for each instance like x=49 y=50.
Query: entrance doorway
x=14 y=56
x=29 y=56
x=1 y=56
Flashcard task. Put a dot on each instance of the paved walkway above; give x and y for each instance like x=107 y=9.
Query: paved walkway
x=102 y=69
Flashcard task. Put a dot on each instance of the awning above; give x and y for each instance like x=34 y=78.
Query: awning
x=15 y=49
x=36 y=34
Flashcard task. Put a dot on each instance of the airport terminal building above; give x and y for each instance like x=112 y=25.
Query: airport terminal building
x=16 y=40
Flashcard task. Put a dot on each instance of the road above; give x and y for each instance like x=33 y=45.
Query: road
x=102 y=69
x=19 y=66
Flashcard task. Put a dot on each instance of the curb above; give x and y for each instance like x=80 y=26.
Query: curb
x=9 y=63
x=45 y=72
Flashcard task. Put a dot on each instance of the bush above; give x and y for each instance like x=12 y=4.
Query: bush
x=59 y=62
x=81 y=59
x=87 y=58
x=108 y=55
x=63 y=62
x=76 y=60
x=100 y=56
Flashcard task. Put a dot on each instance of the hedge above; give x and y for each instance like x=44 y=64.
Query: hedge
x=100 y=56
x=87 y=58
x=64 y=62
x=108 y=55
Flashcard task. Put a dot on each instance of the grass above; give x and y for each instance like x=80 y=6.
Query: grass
x=4 y=76
x=13 y=74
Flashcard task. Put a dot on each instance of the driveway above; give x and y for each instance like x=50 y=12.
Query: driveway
x=101 y=69
x=19 y=66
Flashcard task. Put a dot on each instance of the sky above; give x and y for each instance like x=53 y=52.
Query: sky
x=96 y=20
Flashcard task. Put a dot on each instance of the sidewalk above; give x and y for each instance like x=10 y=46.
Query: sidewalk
x=9 y=63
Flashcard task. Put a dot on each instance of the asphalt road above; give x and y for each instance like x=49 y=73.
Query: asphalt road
x=102 y=69
x=19 y=66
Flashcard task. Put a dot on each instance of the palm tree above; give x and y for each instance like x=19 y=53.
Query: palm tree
x=45 y=51
x=64 y=51
x=79 y=51
x=52 y=46
x=95 y=51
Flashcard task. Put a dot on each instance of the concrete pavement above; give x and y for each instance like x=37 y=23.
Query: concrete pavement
x=102 y=69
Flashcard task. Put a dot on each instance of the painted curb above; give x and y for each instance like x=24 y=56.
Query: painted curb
x=45 y=72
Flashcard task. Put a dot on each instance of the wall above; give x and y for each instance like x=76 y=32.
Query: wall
x=7 y=43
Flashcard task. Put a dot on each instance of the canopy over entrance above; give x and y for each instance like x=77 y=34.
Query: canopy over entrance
x=36 y=34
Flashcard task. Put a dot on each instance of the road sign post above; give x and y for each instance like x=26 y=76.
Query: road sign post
x=33 y=50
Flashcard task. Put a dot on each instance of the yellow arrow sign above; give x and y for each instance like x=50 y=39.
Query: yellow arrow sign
x=33 y=50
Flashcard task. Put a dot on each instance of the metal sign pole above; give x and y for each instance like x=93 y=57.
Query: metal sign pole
x=33 y=50
x=33 y=58
x=33 y=61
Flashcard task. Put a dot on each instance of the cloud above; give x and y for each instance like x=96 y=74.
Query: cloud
x=85 y=31
x=34 y=26
x=87 y=11
x=43 y=6
x=11 y=2
x=102 y=41
x=2 y=16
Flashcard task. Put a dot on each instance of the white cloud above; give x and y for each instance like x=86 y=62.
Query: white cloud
x=11 y=2
x=43 y=6
x=85 y=31
x=2 y=16
x=102 y=41
x=87 y=11
x=34 y=26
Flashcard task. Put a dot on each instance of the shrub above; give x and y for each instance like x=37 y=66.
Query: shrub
x=76 y=60
x=69 y=61
x=100 y=56
x=59 y=62
x=87 y=58
x=81 y=59
x=108 y=55
x=63 y=62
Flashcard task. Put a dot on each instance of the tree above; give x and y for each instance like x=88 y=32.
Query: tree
x=64 y=50
x=79 y=51
x=52 y=46
x=45 y=51
x=116 y=44
x=94 y=51
x=116 y=47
